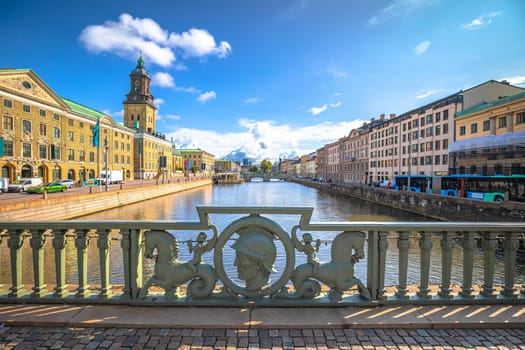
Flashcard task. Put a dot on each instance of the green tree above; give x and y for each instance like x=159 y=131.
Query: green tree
x=253 y=169
x=266 y=166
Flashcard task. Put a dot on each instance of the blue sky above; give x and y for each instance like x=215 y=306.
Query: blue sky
x=265 y=78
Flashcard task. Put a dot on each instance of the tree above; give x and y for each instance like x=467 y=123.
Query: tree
x=266 y=166
x=253 y=169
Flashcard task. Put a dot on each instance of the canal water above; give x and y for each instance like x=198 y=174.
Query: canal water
x=327 y=208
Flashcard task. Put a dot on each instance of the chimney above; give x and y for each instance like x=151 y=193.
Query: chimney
x=382 y=117
x=392 y=116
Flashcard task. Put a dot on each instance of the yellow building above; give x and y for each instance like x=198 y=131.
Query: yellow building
x=51 y=137
x=226 y=165
x=490 y=138
x=198 y=161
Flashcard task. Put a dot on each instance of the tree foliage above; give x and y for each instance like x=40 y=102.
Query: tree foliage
x=266 y=166
x=253 y=169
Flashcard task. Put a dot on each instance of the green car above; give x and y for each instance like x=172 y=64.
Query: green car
x=47 y=188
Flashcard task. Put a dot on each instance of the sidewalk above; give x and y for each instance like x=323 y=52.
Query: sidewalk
x=115 y=327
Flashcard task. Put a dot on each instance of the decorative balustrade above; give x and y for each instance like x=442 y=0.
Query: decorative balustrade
x=145 y=254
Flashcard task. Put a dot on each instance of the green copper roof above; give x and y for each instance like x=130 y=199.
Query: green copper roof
x=190 y=150
x=83 y=110
x=140 y=62
x=482 y=106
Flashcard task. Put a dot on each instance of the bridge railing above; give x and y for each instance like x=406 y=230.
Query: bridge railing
x=253 y=261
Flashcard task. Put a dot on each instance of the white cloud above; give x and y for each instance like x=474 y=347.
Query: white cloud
x=337 y=72
x=162 y=79
x=264 y=139
x=172 y=116
x=399 y=8
x=158 y=102
x=198 y=42
x=517 y=80
x=429 y=93
x=323 y=108
x=317 y=110
x=421 y=48
x=481 y=21
x=129 y=36
x=252 y=100
x=204 y=97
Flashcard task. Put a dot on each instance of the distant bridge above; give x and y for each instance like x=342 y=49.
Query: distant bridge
x=266 y=177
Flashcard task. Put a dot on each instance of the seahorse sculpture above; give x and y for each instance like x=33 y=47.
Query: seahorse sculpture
x=338 y=274
x=170 y=273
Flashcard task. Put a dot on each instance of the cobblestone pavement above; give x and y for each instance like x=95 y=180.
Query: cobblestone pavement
x=186 y=338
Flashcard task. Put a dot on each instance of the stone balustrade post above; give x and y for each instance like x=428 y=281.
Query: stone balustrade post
x=510 y=246
x=37 y=242
x=15 y=242
x=469 y=244
x=447 y=246
x=489 y=244
x=425 y=246
x=103 y=245
x=403 y=244
x=125 y=244
x=59 y=245
x=81 y=243
x=383 y=247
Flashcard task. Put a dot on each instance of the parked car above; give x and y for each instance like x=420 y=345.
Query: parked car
x=68 y=182
x=48 y=188
x=4 y=182
x=387 y=184
x=23 y=184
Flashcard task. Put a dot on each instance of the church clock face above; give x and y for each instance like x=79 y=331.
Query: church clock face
x=136 y=85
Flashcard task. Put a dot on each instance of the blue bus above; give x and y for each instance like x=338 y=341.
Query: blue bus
x=497 y=188
x=418 y=183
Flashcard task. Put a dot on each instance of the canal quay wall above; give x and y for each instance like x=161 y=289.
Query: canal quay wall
x=432 y=206
x=71 y=205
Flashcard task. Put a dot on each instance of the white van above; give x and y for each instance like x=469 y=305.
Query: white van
x=22 y=184
x=3 y=184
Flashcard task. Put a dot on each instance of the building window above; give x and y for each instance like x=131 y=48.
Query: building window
x=71 y=154
x=70 y=122
x=474 y=128
x=26 y=126
x=7 y=123
x=486 y=125
x=42 y=129
x=92 y=157
x=438 y=130
x=430 y=118
x=56 y=132
x=82 y=155
x=520 y=118
x=55 y=152
x=115 y=145
x=26 y=150
x=445 y=129
x=445 y=159
x=8 y=103
x=445 y=144
x=437 y=145
x=116 y=159
x=81 y=125
x=415 y=123
x=70 y=136
x=438 y=117
x=422 y=121
x=502 y=122
x=428 y=160
x=462 y=130
x=81 y=139
x=445 y=114
x=42 y=151
x=8 y=148
x=26 y=108
x=42 y=112
x=437 y=160
x=56 y=116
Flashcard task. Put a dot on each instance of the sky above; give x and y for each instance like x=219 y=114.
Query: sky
x=265 y=79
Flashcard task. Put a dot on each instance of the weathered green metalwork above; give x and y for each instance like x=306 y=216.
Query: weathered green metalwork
x=257 y=242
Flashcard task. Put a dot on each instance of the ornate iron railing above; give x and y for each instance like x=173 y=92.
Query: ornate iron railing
x=63 y=265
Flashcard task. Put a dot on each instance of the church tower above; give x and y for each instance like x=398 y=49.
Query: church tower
x=139 y=111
